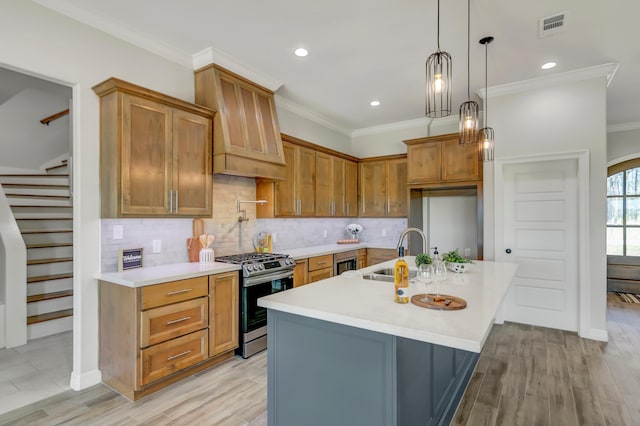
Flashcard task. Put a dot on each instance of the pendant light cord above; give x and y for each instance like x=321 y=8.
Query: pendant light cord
x=438 y=25
x=468 y=46
x=486 y=90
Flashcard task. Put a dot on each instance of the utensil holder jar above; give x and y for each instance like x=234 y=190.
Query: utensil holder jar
x=207 y=255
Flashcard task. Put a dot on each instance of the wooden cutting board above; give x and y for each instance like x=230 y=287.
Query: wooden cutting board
x=193 y=249
x=444 y=302
x=198 y=227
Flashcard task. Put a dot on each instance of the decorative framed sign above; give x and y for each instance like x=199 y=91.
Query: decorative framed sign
x=129 y=259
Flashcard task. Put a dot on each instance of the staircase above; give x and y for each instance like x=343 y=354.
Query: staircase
x=41 y=205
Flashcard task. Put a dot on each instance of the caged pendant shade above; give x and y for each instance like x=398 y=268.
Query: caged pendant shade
x=438 y=91
x=468 y=114
x=485 y=135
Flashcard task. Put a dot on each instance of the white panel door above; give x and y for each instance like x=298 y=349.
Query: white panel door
x=540 y=222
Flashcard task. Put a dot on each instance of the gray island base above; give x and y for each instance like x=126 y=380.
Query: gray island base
x=323 y=373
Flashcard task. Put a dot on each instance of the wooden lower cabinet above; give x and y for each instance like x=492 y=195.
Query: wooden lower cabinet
x=320 y=267
x=156 y=335
x=362 y=258
x=301 y=273
x=320 y=274
x=223 y=313
x=378 y=255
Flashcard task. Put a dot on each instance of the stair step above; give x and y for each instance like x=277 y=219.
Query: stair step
x=50 y=260
x=34 y=186
x=47 y=245
x=49 y=296
x=46 y=231
x=48 y=277
x=34 y=319
x=31 y=196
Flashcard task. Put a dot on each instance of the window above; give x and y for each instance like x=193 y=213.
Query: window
x=623 y=209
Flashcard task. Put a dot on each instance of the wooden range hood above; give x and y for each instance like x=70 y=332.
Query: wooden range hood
x=246 y=133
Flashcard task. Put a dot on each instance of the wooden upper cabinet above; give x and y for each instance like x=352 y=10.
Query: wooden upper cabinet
x=441 y=160
x=247 y=138
x=351 y=188
x=330 y=185
x=383 y=187
x=294 y=196
x=155 y=153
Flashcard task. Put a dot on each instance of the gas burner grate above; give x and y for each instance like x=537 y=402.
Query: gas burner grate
x=251 y=257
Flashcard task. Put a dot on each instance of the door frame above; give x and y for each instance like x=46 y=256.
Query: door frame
x=584 y=281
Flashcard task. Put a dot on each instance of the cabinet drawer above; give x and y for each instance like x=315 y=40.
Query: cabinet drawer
x=320 y=262
x=165 y=358
x=166 y=322
x=320 y=274
x=174 y=291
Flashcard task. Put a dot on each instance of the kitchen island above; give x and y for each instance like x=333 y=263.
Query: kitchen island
x=342 y=352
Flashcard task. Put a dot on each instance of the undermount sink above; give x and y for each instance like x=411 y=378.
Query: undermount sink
x=386 y=275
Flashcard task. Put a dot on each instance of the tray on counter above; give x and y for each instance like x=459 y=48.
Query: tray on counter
x=443 y=302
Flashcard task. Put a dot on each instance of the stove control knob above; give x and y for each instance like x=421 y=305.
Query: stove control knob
x=291 y=262
x=249 y=268
x=261 y=266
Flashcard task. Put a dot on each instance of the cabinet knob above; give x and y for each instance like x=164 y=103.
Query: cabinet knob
x=508 y=251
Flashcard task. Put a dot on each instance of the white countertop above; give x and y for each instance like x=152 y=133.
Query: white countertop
x=161 y=274
x=304 y=252
x=369 y=304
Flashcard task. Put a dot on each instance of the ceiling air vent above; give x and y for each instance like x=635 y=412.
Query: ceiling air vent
x=552 y=24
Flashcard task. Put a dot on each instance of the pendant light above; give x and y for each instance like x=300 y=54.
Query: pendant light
x=468 y=116
x=438 y=93
x=485 y=136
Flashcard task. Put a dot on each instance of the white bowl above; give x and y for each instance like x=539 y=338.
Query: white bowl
x=458 y=268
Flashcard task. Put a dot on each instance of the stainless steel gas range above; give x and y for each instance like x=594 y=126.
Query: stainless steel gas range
x=262 y=274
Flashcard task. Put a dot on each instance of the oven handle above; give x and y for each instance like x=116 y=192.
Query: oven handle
x=261 y=279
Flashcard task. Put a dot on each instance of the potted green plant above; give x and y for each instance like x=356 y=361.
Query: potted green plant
x=455 y=262
x=423 y=258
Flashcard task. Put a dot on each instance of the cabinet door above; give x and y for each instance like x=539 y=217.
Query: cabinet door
x=424 y=162
x=223 y=313
x=320 y=274
x=460 y=162
x=351 y=188
x=286 y=203
x=373 y=189
x=300 y=273
x=338 y=180
x=145 y=157
x=192 y=163
x=306 y=181
x=324 y=185
x=397 y=188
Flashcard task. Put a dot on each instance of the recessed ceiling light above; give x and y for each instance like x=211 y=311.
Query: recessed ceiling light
x=374 y=103
x=301 y=51
x=548 y=65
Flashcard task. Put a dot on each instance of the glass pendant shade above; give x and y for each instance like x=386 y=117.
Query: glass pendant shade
x=486 y=143
x=468 y=125
x=438 y=94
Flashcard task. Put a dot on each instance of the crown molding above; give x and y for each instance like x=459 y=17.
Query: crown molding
x=623 y=127
x=416 y=123
x=211 y=55
x=120 y=31
x=307 y=113
x=604 y=70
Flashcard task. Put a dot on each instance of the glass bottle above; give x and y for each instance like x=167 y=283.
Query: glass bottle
x=401 y=281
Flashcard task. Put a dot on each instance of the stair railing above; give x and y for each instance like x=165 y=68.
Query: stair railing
x=13 y=278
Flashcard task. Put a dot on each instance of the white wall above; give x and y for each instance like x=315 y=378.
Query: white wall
x=295 y=125
x=47 y=44
x=24 y=141
x=622 y=146
x=452 y=223
x=570 y=117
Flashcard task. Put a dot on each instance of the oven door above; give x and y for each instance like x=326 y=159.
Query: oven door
x=253 y=316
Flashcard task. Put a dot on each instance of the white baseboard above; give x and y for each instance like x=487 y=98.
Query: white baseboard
x=596 y=334
x=85 y=380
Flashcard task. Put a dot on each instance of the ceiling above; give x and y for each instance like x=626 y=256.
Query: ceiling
x=360 y=50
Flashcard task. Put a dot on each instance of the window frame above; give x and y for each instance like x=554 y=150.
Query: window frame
x=612 y=170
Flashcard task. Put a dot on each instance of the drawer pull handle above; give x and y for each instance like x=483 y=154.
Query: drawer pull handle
x=322 y=262
x=169 y=358
x=186 y=290
x=177 y=320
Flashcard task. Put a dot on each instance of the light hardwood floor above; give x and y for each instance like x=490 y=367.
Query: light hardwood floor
x=525 y=376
